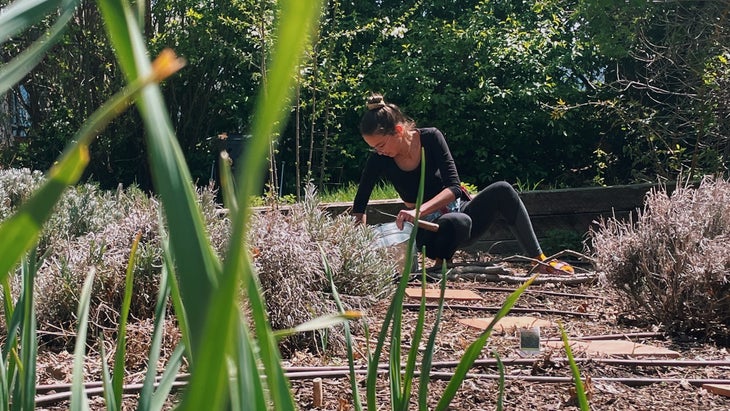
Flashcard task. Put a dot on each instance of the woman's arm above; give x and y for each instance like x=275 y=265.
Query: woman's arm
x=440 y=200
x=369 y=177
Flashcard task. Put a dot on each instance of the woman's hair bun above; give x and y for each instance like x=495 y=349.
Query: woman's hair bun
x=375 y=102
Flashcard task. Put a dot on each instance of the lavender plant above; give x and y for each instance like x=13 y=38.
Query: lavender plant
x=286 y=249
x=672 y=261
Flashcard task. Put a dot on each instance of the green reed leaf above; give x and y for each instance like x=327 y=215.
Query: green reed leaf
x=118 y=374
x=248 y=391
x=167 y=380
x=414 y=350
x=17 y=17
x=145 y=396
x=474 y=350
x=197 y=265
x=580 y=391
x=319 y=323
x=296 y=20
x=106 y=380
x=427 y=360
x=29 y=347
x=500 y=383
x=357 y=403
x=79 y=402
x=227 y=184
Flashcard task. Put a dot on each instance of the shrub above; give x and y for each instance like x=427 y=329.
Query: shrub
x=94 y=229
x=105 y=250
x=289 y=263
x=16 y=185
x=673 y=260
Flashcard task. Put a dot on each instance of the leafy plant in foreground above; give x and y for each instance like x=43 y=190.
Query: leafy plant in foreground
x=204 y=288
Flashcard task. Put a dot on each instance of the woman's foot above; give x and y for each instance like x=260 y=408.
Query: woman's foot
x=553 y=267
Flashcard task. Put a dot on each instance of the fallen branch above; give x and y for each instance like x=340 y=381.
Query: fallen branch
x=492 y=273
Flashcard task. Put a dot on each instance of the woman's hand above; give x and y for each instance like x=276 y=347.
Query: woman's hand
x=360 y=218
x=403 y=216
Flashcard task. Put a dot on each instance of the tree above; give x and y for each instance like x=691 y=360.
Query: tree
x=666 y=84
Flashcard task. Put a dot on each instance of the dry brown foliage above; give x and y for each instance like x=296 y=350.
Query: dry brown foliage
x=672 y=262
x=289 y=252
x=93 y=230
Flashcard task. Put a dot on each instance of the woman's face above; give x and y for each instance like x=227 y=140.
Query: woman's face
x=385 y=144
x=382 y=144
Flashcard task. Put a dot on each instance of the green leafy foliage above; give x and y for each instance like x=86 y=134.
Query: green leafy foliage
x=551 y=90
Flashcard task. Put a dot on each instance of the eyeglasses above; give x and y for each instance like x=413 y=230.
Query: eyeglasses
x=378 y=148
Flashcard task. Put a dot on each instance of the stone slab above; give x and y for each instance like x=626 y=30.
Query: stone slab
x=449 y=294
x=615 y=347
x=507 y=324
x=719 y=389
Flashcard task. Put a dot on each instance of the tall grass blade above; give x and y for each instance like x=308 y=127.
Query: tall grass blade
x=357 y=403
x=79 y=402
x=580 y=391
x=10 y=346
x=500 y=383
x=13 y=326
x=168 y=270
x=249 y=391
x=227 y=184
x=165 y=383
x=319 y=323
x=415 y=346
x=29 y=341
x=118 y=374
x=4 y=386
x=145 y=396
x=197 y=265
x=427 y=360
x=17 y=17
x=296 y=20
x=474 y=350
x=106 y=380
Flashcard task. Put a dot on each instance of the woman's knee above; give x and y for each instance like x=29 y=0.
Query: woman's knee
x=503 y=189
x=455 y=225
x=454 y=231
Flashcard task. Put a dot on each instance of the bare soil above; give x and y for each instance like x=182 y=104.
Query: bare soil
x=598 y=312
x=590 y=309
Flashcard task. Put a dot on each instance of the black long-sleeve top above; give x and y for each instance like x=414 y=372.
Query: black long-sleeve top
x=440 y=173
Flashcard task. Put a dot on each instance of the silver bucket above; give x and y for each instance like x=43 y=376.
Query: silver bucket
x=395 y=241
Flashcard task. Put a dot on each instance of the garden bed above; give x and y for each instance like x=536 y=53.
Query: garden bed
x=541 y=382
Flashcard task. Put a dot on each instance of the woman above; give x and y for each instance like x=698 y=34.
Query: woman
x=397 y=145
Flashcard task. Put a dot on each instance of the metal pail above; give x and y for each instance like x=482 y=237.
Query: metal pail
x=389 y=236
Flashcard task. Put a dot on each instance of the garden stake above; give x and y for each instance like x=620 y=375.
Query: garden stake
x=426 y=225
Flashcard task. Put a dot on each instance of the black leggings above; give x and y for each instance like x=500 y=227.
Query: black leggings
x=462 y=228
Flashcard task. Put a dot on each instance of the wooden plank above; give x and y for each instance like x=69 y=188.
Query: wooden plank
x=571 y=201
x=449 y=294
x=574 y=209
x=615 y=347
x=507 y=324
x=719 y=389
